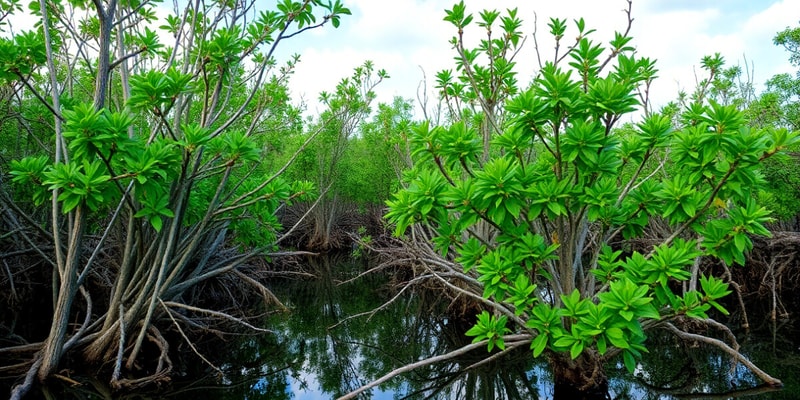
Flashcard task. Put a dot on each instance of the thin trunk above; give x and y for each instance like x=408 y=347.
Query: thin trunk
x=60 y=152
x=53 y=345
x=124 y=75
x=333 y=213
x=106 y=18
x=566 y=254
x=64 y=274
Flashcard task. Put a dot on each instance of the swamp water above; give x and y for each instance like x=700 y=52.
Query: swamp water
x=320 y=351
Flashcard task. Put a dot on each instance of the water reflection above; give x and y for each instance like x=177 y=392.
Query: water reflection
x=342 y=354
x=318 y=352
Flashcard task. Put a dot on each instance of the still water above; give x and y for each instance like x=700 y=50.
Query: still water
x=330 y=344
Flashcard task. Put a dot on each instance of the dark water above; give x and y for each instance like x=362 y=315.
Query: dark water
x=317 y=352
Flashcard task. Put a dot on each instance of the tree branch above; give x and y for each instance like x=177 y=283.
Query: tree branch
x=769 y=380
x=428 y=361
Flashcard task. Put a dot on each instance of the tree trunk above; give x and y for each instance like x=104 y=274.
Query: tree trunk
x=53 y=348
x=106 y=18
x=582 y=378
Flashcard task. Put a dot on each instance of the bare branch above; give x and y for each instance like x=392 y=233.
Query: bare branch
x=428 y=361
x=180 y=330
x=735 y=355
x=215 y=314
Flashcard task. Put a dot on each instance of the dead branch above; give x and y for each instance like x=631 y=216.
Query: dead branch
x=381 y=307
x=188 y=341
x=216 y=314
x=766 y=378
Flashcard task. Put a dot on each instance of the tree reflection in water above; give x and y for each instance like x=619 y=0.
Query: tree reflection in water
x=320 y=351
x=344 y=353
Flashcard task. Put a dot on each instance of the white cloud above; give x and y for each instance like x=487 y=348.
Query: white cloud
x=680 y=38
x=399 y=36
x=758 y=33
x=403 y=36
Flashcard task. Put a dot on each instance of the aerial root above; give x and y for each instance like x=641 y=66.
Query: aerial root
x=266 y=294
x=23 y=388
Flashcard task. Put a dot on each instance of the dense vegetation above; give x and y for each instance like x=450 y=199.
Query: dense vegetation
x=148 y=158
x=151 y=169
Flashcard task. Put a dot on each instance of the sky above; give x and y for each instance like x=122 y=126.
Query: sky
x=410 y=40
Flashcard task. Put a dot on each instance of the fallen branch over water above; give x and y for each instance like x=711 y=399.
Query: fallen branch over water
x=769 y=380
x=429 y=361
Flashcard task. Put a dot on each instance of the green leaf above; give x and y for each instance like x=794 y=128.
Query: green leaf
x=616 y=336
x=69 y=202
x=576 y=349
x=629 y=360
x=538 y=344
x=719 y=307
x=157 y=223
x=565 y=341
x=648 y=311
x=602 y=345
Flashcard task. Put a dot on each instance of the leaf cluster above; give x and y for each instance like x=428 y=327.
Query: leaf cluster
x=559 y=168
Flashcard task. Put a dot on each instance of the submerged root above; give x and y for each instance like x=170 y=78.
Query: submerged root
x=188 y=341
x=163 y=369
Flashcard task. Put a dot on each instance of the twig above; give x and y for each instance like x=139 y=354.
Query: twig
x=381 y=307
x=367 y=272
x=169 y=313
x=67 y=379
